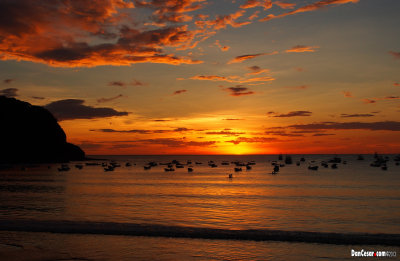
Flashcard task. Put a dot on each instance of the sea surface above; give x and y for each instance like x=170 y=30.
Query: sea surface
x=354 y=198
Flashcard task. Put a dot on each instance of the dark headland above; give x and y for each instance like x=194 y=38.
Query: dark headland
x=31 y=134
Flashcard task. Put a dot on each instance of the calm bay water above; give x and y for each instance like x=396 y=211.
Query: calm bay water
x=353 y=198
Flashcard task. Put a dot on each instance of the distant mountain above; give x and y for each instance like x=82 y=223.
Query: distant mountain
x=30 y=133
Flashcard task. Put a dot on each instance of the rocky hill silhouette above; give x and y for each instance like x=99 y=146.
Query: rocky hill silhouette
x=30 y=133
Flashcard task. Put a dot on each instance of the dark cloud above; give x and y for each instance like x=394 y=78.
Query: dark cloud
x=109 y=99
x=374 y=126
x=123 y=131
x=117 y=83
x=52 y=32
x=323 y=134
x=356 y=115
x=391 y=98
x=239 y=90
x=179 y=92
x=283 y=134
x=137 y=83
x=232 y=119
x=256 y=70
x=181 y=129
x=9 y=92
x=300 y=87
x=161 y=120
x=241 y=58
x=225 y=132
x=294 y=114
x=141 y=131
x=38 y=98
x=71 y=109
x=171 y=142
x=307 y=131
x=7 y=81
x=252 y=140
x=368 y=101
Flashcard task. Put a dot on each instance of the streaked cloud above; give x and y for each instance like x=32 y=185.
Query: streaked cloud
x=143 y=131
x=252 y=140
x=285 y=5
x=245 y=57
x=134 y=82
x=302 y=49
x=374 y=126
x=300 y=87
x=291 y=114
x=283 y=134
x=179 y=92
x=101 y=100
x=356 y=115
x=172 y=142
x=224 y=132
x=233 y=79
x=310 y=7
x=266 y=4
x=323 y=134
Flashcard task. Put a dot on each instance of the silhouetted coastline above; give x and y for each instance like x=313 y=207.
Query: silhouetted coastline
x=31 y=134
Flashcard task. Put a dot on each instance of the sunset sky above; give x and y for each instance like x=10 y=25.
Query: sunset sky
x=209 y=76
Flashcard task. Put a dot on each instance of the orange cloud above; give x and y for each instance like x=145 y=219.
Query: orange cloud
x=171 y=10
x=395 y=54
x=347 y=94
x=223 y=48
x=254 y=15
x=223 y=20
x=233 y=78
x=368 y=101
x=52 y=32
x=241 y=58
x=310 y=7
x=302 y=49
x=301 y=87
x=267 y=4
x=285 y=5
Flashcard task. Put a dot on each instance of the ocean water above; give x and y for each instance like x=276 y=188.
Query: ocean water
x=96 y=215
